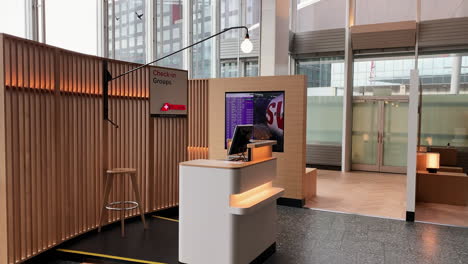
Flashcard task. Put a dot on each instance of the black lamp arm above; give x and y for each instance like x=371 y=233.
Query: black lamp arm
x=189 y=46
x=108 y=77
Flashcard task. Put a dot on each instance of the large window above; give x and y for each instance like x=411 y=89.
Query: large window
x=202 y=28
x=230 y=17
x=235 y=13
x=384 y=11
x=127 y=30
x=319 y=15
x=436 y=9
x=13 y=18
x=169 y=29
x=325 y=82
x=72 y=25
x=248 y=67
x=382 y=76
x=444 y=118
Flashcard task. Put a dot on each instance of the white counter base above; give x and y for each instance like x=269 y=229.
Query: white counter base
x=227 y=211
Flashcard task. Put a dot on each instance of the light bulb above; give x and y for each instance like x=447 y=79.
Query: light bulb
x=246 y=46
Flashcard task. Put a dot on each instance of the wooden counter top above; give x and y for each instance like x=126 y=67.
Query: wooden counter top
x=222 y=164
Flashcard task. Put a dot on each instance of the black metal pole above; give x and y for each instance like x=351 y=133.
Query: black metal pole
x=107 y=77
x=105 y=91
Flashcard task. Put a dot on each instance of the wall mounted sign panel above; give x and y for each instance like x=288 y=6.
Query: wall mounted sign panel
x=168 y=92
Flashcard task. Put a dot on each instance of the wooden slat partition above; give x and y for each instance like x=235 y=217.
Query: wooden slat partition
x=57 y=146
x=198 y=119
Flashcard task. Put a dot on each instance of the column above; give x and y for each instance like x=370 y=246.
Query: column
x=413 y=123
x=215 y=42
x=187 y=34
x=348 y=90
x=274 y=50
x=456 y=69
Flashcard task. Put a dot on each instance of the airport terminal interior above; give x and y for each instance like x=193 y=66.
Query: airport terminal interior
x=233 y=131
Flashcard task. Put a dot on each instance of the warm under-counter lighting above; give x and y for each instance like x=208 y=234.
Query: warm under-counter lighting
x=241 y=199
x=432 y=162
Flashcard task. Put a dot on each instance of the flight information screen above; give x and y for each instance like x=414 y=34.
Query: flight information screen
x=263 y=110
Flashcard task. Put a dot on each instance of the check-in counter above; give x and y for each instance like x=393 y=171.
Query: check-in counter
x=227 y=210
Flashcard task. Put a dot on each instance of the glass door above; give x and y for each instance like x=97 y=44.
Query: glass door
x=394 y=137
x=365 y=135
x=379 y=136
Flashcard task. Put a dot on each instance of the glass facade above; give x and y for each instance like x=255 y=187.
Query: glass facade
x=127 y=29
x=235 y=13
x=251 y=68
x=80 y=34
x=316 y=15
x=436 y=9
x=384 y=11
x=444 y=118
x=229 y=69
x=13 y=18
x=382 y=76
x=202 y=28
x=230 y=17
x=325 y=84
x=169 y=30
x=248 y=68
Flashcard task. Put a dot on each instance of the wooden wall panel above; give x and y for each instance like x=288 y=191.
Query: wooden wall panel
x=291 y=163
x=57 y=146
x=198 y=119
x=320 y=41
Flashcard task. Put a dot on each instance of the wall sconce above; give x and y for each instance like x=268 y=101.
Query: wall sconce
x=365 y=137
x=432 y=162
x=429 y=141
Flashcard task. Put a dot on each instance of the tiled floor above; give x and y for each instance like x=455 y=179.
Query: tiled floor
x=308 y=236
x=359 y=192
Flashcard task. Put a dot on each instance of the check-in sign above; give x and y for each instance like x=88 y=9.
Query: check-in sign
x=168 y=92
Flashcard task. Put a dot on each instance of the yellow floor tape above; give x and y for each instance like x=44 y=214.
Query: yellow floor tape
x=165 y=218
x=108 y=256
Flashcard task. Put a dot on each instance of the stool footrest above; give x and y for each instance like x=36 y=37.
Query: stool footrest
x=133 y=204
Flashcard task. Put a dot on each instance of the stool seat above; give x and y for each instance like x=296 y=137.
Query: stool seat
x=123 y=205
x=121 y=171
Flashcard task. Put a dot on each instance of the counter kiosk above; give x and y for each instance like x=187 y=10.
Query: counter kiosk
x=228 y=208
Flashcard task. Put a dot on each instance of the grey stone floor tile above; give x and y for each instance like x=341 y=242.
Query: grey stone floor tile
x=366 y=258
x=398 y=257
x=371 y=247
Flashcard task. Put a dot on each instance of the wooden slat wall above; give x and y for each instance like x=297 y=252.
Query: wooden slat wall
x=443 y=33
x=320 y=41
x=198 y=119
x=58 y=146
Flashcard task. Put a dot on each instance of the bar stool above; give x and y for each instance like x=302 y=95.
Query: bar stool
x=122 y=205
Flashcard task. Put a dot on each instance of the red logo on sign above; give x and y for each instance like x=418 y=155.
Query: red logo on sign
x=167 y=106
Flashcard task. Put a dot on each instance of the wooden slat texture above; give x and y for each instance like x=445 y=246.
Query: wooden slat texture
x=384 y=35
x=443 y=32
x=323 y=154
x=198 y=119
x=320 y=41
x=57 y=146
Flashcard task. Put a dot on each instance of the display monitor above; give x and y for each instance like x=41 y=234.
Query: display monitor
x=242 y=136
x=265 y=110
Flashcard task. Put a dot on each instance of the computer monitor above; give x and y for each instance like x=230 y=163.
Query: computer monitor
x=264 y=110
x=242 y=136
